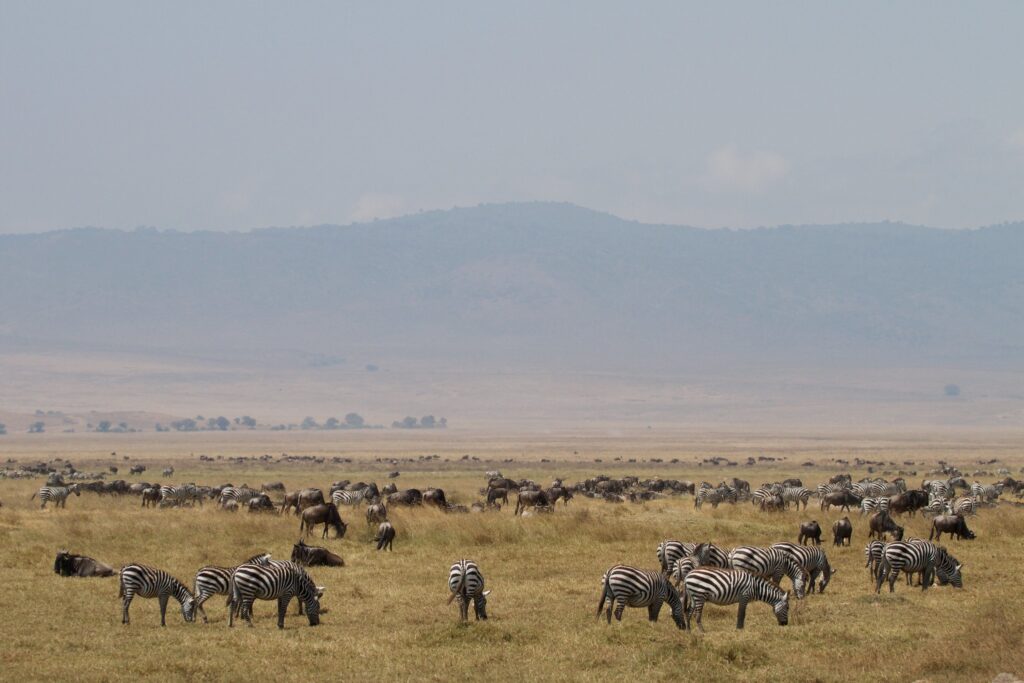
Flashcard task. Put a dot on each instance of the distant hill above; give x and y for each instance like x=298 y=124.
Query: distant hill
x=539 y=285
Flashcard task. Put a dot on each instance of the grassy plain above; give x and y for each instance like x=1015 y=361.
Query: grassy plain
x=386 y=616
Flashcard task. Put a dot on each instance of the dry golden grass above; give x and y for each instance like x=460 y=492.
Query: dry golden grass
x=386 y=615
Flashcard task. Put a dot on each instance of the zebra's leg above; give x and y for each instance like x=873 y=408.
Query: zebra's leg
x=200 y=599
x=741 y=615
x=698 y=612
x=164 y=597
x=246 y=611
x=620 y=605
x=282 y=609
x=893 y=575
x=880 y=576
x=125 y=604
x=652 y=610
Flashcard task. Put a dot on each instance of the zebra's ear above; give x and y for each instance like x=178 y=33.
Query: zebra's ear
x=486 y=593
x=959 y=567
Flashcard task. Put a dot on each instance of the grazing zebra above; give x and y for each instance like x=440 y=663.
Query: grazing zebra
x=968 y=505
x=240 y=494
x=873 y=554
x=342 y=497
x=769 y=563
x=669 y=551
x=275 y=580
x=622 y=585
x=729 y=586
x=988 y=492
x=466 y=583
x=874 y=504
x=181 y=494
x=213 y=580
x=385 y=536
x=57 y=494
x=796 y=494
x=681 y=568
x=760 y=497
x=939 y=489
x=812 y=560
x=710 y=555
x=150 y=582
x=713 y=496
x=917 y=556
x=937 y=506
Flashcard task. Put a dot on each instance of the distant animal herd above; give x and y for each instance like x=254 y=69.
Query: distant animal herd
x=689 y=575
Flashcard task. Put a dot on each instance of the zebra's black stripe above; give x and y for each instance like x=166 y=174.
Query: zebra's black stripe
x=466 y=584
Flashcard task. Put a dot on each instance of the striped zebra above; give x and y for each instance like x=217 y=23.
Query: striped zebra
x=825 y=489
x=764 y=495
x=939 y=489
x=916 y=556
x=342 y=497
x=186 y=493
x=240 y=494
x=57 y=494
x=213 y=580
x=937 y=506
x=713 y=496
x=796 y=494
x=150 y=582
x=624 y=586
x=730 y=586
x=681 y=568
x=710 y=555
x=868 y=505
x=967 y=505
x=769 y=563
x=275 y=580
x=873 y=554
x=466 y=584
x=812 y=560
x=988 y=493
x=669 y=551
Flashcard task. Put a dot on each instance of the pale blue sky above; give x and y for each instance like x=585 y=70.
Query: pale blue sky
x=242 y=115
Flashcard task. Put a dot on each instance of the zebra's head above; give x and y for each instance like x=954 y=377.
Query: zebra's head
x=781 y=609
x=188 y=609
x=310 y=594
x=74 y=489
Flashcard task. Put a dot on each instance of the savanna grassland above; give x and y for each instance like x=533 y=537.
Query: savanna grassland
x=385 y=613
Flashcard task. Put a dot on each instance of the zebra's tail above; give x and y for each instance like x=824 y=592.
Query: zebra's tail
x=605 y=594
x=120 y=583
x=33 y=495
x=458 y=588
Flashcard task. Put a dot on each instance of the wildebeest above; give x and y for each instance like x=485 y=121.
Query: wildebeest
x=315 y=556
x=261 y=503
x=136 y=469
x=881 y=524
x=494 y=495
x=273 y=486
x=302 y=499
x=810 y=531
x=844 y=499
x=952 y=525
x=151 y=497
x=376 y=513
x=168 y=471
x=385 y=536
x=323 y=514
x=406 y=497
x=556 y=492
x=389 y=489
x=908 y=501
x=842 y=532
x=68 y=564
x=435 y=497
x=531 y=499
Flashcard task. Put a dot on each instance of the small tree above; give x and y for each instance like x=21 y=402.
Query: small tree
x=186 y=425
x=332 y=423
x=309 y=423
x=354 y=421
x=245 y=421
x=428 y=422
x=103 y=426
x=219 y=423
x=37 y=428
x=951 y=390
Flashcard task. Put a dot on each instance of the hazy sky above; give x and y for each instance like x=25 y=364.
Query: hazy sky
x=240 y=115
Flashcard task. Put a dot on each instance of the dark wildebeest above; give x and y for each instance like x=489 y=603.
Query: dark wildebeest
x=261 y=503
x=810 y=531
x=531 y=499
x=881 y=524
x=908 y=501
x=302 y=499
x=792 y=482
x=273 y=486
x=842 y=531
x=494 y=495
x=503 y=483
x=315 y=556
x=385 y=536
x=67 y=564
x=151 y=497
x=435 y=497
x=376 y=513
x=389 y=489
x=844 y=499
x=556 y=492
x=136 y=469
x=954 y=525
x=323 y=514
x=406 y=497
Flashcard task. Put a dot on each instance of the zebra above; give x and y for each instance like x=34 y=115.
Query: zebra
x=375 y=513
x=150 y=582
x=57 y=494
x=681 y=568
x=939 y=489
x=713 y=496
x=761 y=495
x=880 y=504
x=212 y=580
x=240 y=494
x=988 y=492
x=769 y=563
x=729 y=586
x=181 y=494
x=342 y=497
x=623 y=585
x=917 y=556
x=825 y=489
x=466 y=583
x=812 y=560
x=385 y=536
x=710 y=555
x=796 y=494
x=937 y=506
x=873 y=554
x=278 y=580
x=669 y=551
x=967 y=505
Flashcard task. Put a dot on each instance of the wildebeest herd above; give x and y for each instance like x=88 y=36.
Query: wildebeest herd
x=688 y=576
